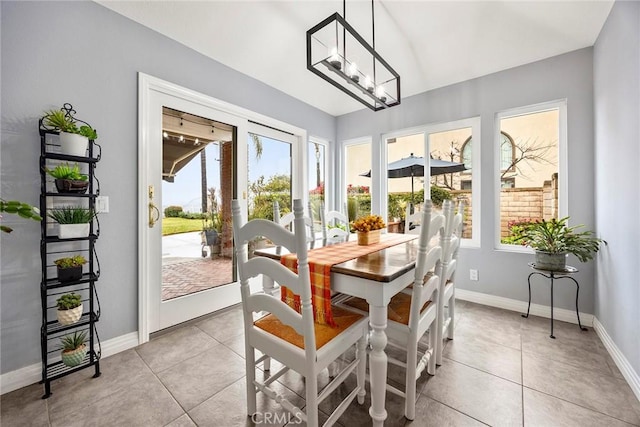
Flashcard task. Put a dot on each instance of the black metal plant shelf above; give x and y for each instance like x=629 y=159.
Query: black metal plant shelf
x=86 y=278
x=56 y=239
x=91 y=196
x=79 y=159
x=58 y=369
x=55 y=327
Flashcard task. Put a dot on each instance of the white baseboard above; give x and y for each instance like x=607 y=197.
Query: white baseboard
x=32 y=374
x=561 y=314
x=622 y=363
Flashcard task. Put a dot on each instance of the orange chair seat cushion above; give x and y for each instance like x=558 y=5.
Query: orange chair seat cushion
x=324 y=333
x=398 y=310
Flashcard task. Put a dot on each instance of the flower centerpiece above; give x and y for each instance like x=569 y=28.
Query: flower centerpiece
x=368 y=228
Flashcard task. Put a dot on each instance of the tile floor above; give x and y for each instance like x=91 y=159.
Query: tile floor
x=500 y=370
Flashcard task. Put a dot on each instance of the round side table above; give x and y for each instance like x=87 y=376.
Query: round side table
x=552 y=275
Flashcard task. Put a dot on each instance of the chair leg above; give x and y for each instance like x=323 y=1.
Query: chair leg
x=452 y=315
x=410 y=380
x=361 y=355
x=311 y=386
x=433 y=345
x=250 y=361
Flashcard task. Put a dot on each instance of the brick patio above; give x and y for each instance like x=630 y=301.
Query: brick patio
x=183 y=276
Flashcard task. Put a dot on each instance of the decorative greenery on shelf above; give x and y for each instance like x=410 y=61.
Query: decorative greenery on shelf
x=369 y=223
x=21 y=209
x=70 y=262
x=71 y=215
x=64 y=122
x=69 y=301
x=64 y=171
x=72 y=342
x=556 y=237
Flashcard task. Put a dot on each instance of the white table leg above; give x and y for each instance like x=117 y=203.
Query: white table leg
x=378 y=363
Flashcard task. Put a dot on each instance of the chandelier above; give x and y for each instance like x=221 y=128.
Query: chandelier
x=338 y=54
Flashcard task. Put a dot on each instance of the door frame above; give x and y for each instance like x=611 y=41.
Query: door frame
x=147 y=85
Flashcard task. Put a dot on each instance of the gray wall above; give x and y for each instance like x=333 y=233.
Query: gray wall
x=567 y=76
x=617 y=132
x=85 y=54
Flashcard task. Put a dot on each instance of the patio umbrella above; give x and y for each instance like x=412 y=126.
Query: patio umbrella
x=414 y=166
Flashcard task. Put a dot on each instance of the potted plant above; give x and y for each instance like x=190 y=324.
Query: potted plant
x=69 y=307
x=74 y=348
x=74 y=139
x=368 y=228
x=70 y=268
x=22 y=209
x=73 y=221
x=68 y=179
x=211 y=228
x=554 y=239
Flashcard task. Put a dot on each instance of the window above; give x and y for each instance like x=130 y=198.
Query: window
x=528 y=183
x=317 y=155
x=403 y=188
x=452 y=142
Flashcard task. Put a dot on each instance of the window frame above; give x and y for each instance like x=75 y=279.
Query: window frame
x=563 y=174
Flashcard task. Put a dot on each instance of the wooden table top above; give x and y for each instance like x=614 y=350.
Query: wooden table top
x=384 y=265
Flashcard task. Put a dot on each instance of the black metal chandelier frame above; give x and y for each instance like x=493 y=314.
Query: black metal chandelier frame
x=366 y=94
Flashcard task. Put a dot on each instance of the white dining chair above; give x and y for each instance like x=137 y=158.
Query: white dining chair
x=335 y=226
x=414 y=312
x=287 y=222
x=450 y=237
x=412 y=220
x=292 y=338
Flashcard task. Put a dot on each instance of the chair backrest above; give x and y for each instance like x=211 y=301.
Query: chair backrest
x=412 y=220
x=299 y=284
x=288 y=220
x=426 y=287
x=329 y=221
x=450 y=236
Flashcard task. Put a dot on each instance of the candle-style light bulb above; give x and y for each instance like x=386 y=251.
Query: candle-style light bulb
x=380 y=94
x=353 y=72
x=334 y=58
x=368 y=84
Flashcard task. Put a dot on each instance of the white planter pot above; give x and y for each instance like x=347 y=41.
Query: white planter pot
x=74 y=144
x=68 y=317
x=73 y=231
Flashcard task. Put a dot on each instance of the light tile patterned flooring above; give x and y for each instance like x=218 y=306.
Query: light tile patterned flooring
x=500 y=370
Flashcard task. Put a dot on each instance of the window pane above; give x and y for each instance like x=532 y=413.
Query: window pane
x=529 y=189
x=269 y=176
x=405 y=189
x=357 y=162
x=453 y=146
x=316 y=180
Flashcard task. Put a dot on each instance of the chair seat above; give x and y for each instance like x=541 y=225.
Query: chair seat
x=398 y=310
x=324 y=333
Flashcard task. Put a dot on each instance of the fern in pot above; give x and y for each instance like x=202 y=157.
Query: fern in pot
x=69 y=308
x=73 y=221
x=554 y=239
x=74 y=348
x=74 y=139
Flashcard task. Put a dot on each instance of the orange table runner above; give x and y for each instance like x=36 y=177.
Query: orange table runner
x=320 y=262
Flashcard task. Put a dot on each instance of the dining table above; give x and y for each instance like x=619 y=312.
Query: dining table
x=375 y=277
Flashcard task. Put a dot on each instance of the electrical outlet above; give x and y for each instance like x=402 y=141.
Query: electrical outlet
x=473 y=275
x=102 y=204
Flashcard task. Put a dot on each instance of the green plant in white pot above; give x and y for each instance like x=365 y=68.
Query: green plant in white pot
x=74 y=139
x=74 y=348
x=73 y=221
x=554 y=239
x=69 y=308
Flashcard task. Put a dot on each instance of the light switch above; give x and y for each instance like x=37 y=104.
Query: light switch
x=102 y=204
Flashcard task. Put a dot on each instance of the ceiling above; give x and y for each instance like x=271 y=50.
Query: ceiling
x=430 y=44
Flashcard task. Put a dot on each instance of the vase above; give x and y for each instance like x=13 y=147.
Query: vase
x=75 y=357
x=550 y=261
x=73 y=231
x=71 y=316
x=70 y=274
x=71 y=186
x=368 y=237
x=74 y=144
